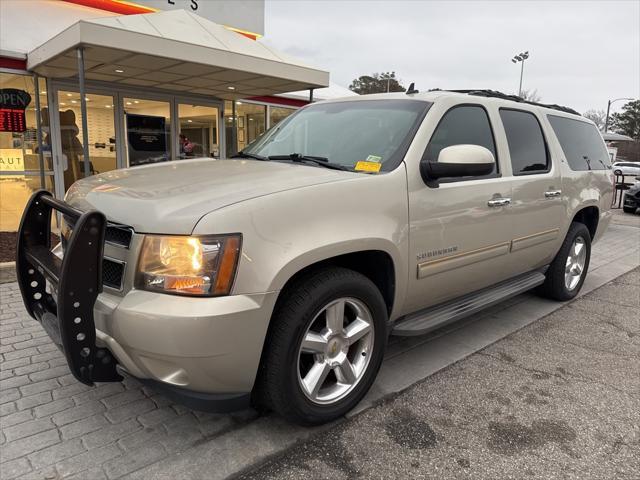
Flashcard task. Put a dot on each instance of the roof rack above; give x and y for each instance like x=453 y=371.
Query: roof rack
x=514 y=98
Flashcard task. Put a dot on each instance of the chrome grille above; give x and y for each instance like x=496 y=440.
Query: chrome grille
x=113 y=270
x=119 y=235
x=112 y=273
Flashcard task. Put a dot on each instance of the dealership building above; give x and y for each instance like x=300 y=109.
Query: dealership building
x=88 y=86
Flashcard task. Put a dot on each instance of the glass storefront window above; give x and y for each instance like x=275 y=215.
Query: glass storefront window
x=102 y=135
x=148 y=127
x=251 y=122
x=199 y=135
x=277 y=114
x=19 y=151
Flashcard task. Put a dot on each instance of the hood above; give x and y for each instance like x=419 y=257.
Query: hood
x=171 y=197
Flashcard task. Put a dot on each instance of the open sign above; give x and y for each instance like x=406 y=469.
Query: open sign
x=13 y=103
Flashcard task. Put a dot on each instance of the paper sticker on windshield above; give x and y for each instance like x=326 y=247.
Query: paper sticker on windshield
x=371 y=167
x=374 y=158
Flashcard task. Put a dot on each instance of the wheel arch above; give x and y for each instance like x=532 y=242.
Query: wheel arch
x=590 y=217
x=377 y=264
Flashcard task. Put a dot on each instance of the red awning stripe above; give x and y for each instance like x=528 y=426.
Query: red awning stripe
x=289 y=102
x=115 y=6
x=13 y=63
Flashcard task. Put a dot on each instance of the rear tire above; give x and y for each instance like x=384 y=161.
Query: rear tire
x=337 y=297
x=629 y=209
x=567 y=272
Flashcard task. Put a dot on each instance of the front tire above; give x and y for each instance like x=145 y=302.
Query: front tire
x=324 y=348
x=567 y=272
x=629 y=209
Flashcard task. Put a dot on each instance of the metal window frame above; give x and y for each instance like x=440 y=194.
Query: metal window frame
x=119 y=93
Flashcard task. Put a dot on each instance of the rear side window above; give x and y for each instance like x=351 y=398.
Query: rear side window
x=581 y=143
x=527 y=147
x=462 y=125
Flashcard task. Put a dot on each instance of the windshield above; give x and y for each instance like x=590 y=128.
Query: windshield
x=345 y=133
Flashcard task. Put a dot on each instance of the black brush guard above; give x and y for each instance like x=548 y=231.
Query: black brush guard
x=77 y=279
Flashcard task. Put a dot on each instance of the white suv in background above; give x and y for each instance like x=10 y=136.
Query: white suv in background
x=626 y=168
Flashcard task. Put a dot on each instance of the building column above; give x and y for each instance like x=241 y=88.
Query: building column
x=83 y=111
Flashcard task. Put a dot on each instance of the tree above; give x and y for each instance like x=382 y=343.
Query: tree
x=596 y=116
x=531 y=95
x=627 y=122
x=377 y=83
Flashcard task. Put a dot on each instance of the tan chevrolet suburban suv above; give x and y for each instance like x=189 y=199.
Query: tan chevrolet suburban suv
x=276 y=277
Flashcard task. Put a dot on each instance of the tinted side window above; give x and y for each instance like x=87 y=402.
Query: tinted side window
x=527 y=147
x=464 y=125
x=581 y=143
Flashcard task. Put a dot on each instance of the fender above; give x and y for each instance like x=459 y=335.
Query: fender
x=588 y=189
x=328 y=252
x=284 y=232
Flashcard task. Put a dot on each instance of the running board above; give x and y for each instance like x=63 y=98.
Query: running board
x=426 y=320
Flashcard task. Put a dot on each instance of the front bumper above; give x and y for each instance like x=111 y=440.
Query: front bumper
x=205 y=345
x=202 y=349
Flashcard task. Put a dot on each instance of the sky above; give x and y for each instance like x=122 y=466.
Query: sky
x=581 y=53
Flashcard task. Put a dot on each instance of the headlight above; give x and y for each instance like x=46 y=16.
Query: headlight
x=202 y=265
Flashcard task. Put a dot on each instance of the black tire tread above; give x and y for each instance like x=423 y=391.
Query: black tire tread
x=554 y=287
x=269 y=392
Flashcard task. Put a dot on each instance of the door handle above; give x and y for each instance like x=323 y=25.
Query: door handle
x=552 y=193
x=499 y=202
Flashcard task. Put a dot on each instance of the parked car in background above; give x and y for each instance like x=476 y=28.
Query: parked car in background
x=626 y=168
x=276 y=277
x=632 y=198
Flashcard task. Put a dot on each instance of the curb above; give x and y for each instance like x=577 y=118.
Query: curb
x=7 y=272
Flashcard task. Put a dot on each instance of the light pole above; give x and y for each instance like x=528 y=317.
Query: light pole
x=606 y=122
x=521 y=57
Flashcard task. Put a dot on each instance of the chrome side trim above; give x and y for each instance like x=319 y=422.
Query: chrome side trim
x=440 y=265
x=535 y=239
x=499 y=202
x=431 y=318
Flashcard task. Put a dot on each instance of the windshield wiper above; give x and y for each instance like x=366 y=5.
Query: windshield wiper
x=296 y=157
x=242 y=154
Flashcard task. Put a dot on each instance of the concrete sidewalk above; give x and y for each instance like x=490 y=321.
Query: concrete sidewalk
x=557 y=399
x=54 y=427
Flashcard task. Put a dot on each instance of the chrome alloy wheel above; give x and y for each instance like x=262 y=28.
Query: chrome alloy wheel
x=575 y=263
x=335 y=350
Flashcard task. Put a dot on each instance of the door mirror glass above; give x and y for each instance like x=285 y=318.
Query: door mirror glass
x=458 y=161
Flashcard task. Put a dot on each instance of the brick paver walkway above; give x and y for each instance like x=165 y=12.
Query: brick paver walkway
x=53 y=427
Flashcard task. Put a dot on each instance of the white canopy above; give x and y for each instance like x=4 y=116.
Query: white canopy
x=331 y=92
x=616 y=137
x=174 y=50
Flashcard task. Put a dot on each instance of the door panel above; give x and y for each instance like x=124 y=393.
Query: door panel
x=460 y=234
x=537 y=220
x=537 y=204
x=458 y=243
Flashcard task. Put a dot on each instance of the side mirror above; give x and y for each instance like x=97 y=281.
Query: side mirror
x=458 y=161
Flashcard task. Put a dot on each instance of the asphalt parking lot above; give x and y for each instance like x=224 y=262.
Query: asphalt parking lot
x=52 y=427
x=557 y=399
